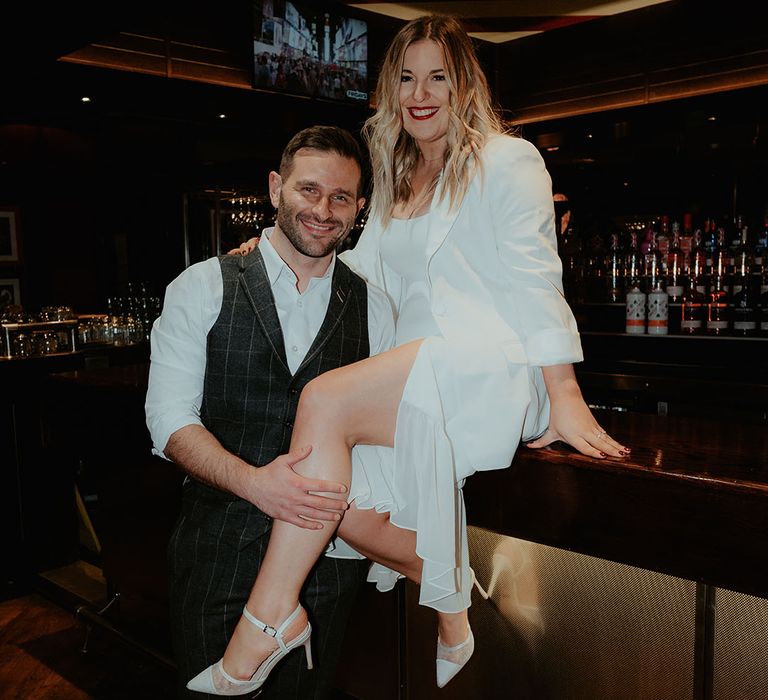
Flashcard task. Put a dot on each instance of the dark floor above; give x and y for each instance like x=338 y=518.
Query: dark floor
x=41 y=657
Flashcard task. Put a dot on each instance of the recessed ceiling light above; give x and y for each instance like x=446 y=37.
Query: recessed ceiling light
x=85 y=99
x=222 y=116
x=589 y=136
x=712 y=119
x=553 y=148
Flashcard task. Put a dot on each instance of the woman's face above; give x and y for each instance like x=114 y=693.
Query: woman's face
x=424 y=93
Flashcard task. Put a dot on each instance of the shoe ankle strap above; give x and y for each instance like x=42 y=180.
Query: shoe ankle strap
x=277 y=633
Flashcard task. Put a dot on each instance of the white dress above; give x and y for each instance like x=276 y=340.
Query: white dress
x=416 y=482
x=482 y=284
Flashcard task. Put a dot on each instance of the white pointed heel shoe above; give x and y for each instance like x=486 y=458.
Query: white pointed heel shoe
x=216 y=681
x=450 y=660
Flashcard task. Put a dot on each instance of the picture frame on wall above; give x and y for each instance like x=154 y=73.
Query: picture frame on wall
x=9 y=236
x=10 y=292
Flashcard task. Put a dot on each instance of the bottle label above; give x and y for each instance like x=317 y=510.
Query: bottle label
x=635 y=312
x=764 y=325
x=701 y=289
x=690 y=324
x=658 y=307
x=675 y=291
x=718 y=325
x=744 y=325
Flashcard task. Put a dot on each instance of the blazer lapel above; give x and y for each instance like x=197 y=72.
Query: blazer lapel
x=441 y=220
x=341 y=292
x=254 y=282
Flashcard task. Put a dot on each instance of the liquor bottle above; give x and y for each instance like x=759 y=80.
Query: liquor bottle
x=675 y=267
x=709 y=239
x=742 y=266
x=595 y=269
x=763 y=303
x=698 y=266
x=744 y=314
x=692 y=319
x=663 y=239
x=633 y=264
x=761 y=245
x=658 y=309
x=614 y=271
x=735 y=236
x=652 y=263
x=636 y=308
x=686 y=238
x=658 y=302
x=573 y=266
x=717 y=305
x=721 y=260
x=634 y=285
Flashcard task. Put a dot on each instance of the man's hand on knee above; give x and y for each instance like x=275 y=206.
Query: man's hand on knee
x=281 y=493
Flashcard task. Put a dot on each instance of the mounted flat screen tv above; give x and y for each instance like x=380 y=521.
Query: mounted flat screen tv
x=311 y=49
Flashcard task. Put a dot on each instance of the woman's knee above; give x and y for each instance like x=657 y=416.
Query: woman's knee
x=323 y=399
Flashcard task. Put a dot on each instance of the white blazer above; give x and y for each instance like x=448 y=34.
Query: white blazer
x=496 y=296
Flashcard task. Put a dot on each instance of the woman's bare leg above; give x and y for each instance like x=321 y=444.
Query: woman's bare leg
x=341 y=408
x=376 y=538
x=371 y=534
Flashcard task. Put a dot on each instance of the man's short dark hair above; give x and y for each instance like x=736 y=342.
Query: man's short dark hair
x=326 y=139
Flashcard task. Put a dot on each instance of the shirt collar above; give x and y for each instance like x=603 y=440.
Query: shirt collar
x=276 y=266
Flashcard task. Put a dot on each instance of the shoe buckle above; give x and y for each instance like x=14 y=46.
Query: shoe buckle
x=271 y=631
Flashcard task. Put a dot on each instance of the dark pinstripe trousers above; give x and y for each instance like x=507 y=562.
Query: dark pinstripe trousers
x=214 y=554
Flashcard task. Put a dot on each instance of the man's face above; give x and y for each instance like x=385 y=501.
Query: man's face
x=317 y=203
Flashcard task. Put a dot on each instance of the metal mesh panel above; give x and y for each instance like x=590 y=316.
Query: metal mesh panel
x=741 y=647
x=566 y=626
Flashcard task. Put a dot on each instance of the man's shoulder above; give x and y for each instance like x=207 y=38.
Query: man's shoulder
x=344 y=271
x=198 y=272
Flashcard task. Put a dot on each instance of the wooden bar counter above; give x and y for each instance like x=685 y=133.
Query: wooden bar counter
x=691 y=500
x=642 y=577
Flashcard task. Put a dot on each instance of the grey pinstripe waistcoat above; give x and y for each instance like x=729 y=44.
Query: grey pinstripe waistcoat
x=250 y=397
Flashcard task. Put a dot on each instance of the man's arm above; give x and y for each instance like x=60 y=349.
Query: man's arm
x=176 y=378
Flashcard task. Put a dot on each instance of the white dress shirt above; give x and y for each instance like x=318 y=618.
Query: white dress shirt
x=191 y=306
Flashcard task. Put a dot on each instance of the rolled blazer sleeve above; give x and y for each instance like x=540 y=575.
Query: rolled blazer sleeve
x=519 y=192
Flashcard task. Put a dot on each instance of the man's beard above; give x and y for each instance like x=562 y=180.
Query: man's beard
x=288 y=221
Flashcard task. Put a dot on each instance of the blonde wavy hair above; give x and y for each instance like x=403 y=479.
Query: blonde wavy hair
x=472 y=118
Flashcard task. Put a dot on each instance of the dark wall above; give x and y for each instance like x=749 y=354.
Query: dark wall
x=705 y=155
x=99 y=186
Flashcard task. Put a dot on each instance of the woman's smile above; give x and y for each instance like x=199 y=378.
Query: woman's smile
x=422 y=113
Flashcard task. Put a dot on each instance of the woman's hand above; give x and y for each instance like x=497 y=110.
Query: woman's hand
x=570 y=419
x=244 y=248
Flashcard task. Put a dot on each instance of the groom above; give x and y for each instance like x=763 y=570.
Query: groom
x=237 y=340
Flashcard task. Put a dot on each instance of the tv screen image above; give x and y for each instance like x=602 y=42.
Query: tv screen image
x=303 y=49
